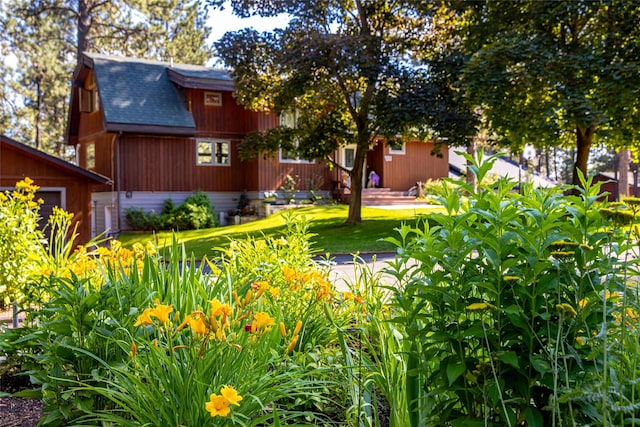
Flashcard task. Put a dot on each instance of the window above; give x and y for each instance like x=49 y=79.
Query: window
x=90 y=155
x=396 y=148
x=290 y=119
x=213 y=152
x=213 y=98
x=348 y=156
x=88 y=100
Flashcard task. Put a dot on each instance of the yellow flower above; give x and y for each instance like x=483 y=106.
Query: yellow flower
x=583 y=303
x=262 y=321
x=144 y=318
x=217 y=406
x=289 y=274
x=161 y=312
x=231 y=395
x=480 y=306
x=283 y=330
x=296 y=331
x=292 y=344
x=197 y=324
x=275 y=292
x=218 y=308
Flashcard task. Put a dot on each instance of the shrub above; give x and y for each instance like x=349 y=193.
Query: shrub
x=21 y=241
x=195 y=213
x=126 y=337
x=513 y=307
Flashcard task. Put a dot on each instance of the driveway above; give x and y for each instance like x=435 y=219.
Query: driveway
x=345 y=269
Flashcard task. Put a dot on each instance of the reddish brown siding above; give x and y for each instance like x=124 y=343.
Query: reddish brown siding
x=227 y=121
x=155 y=163
x=273 y=174
x=402 y=171
x=15 y=166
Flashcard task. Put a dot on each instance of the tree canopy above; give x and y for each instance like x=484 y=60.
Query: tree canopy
x=347 y=72
x=556 y=72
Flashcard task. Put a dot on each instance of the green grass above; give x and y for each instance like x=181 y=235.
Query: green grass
x=332 y=235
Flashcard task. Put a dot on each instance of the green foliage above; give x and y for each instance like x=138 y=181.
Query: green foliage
x=506 y=303
x=289 y=188
x=131 y=338
x=20 y=241
x=340 y=72
x=195 y=213
x=553 y=73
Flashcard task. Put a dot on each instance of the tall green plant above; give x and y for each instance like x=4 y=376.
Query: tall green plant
x=20 y=240
x=504 y=300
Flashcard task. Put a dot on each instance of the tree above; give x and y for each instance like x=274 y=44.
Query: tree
x=552 y=72
x=343 y=70
x=48 y=36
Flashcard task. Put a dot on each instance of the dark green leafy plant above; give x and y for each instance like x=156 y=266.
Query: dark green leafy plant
x=506 y=305
x=195 y=213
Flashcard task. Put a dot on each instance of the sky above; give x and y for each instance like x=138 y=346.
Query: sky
x=223 y=21
x=220 y=22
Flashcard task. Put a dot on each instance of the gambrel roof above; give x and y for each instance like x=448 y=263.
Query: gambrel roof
x=138 y=95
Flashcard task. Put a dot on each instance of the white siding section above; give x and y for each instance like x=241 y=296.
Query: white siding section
x=152 y=201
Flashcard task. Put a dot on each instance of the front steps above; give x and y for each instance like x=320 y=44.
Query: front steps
x=384 y=197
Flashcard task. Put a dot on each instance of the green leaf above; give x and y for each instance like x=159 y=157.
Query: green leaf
x=540 y=364
x=454 y=371
x=533 y=417
x=510 y=358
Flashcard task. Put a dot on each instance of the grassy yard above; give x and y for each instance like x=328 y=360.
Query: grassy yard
x=332 y=235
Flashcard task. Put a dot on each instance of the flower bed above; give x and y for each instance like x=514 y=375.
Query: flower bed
x=508 y=309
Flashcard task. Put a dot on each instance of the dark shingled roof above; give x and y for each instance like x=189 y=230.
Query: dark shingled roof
x=136 y=92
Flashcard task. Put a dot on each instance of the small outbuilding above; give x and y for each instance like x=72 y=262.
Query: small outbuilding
x=61 y=183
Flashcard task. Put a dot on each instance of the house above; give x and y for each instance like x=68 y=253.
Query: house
x=61 y=183
x=610 y=185
x=163 y=130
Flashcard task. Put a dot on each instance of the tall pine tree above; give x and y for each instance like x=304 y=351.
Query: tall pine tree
x=46 y=38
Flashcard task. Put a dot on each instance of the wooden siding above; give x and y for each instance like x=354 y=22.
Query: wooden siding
x=223 y=202
x=104 y=147
x=401 y=171
x=155 y=163
x=229 y=120
x=15 y=166
x=273 y=174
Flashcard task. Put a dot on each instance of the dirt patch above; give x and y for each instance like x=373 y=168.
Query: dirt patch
x=19 y=412
x=16 y=411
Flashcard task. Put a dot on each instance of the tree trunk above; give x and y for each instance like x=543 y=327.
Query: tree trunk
x=84 y=24
x=355 y=199
x=584 y=138
x=624 y=160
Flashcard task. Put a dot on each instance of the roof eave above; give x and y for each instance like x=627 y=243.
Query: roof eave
x=151 y=129
x=200 y=82
x=98 y=178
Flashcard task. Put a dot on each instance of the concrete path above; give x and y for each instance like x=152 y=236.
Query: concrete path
x=346 y=270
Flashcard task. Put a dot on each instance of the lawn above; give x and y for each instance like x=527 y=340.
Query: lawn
x=331 y=234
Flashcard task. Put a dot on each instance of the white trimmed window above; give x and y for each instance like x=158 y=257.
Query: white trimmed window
x=289 y=119
x=348 y=156
x=397 y=148
x=213 y=152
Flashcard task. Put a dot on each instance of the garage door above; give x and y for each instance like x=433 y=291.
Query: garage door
x=50 y=200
